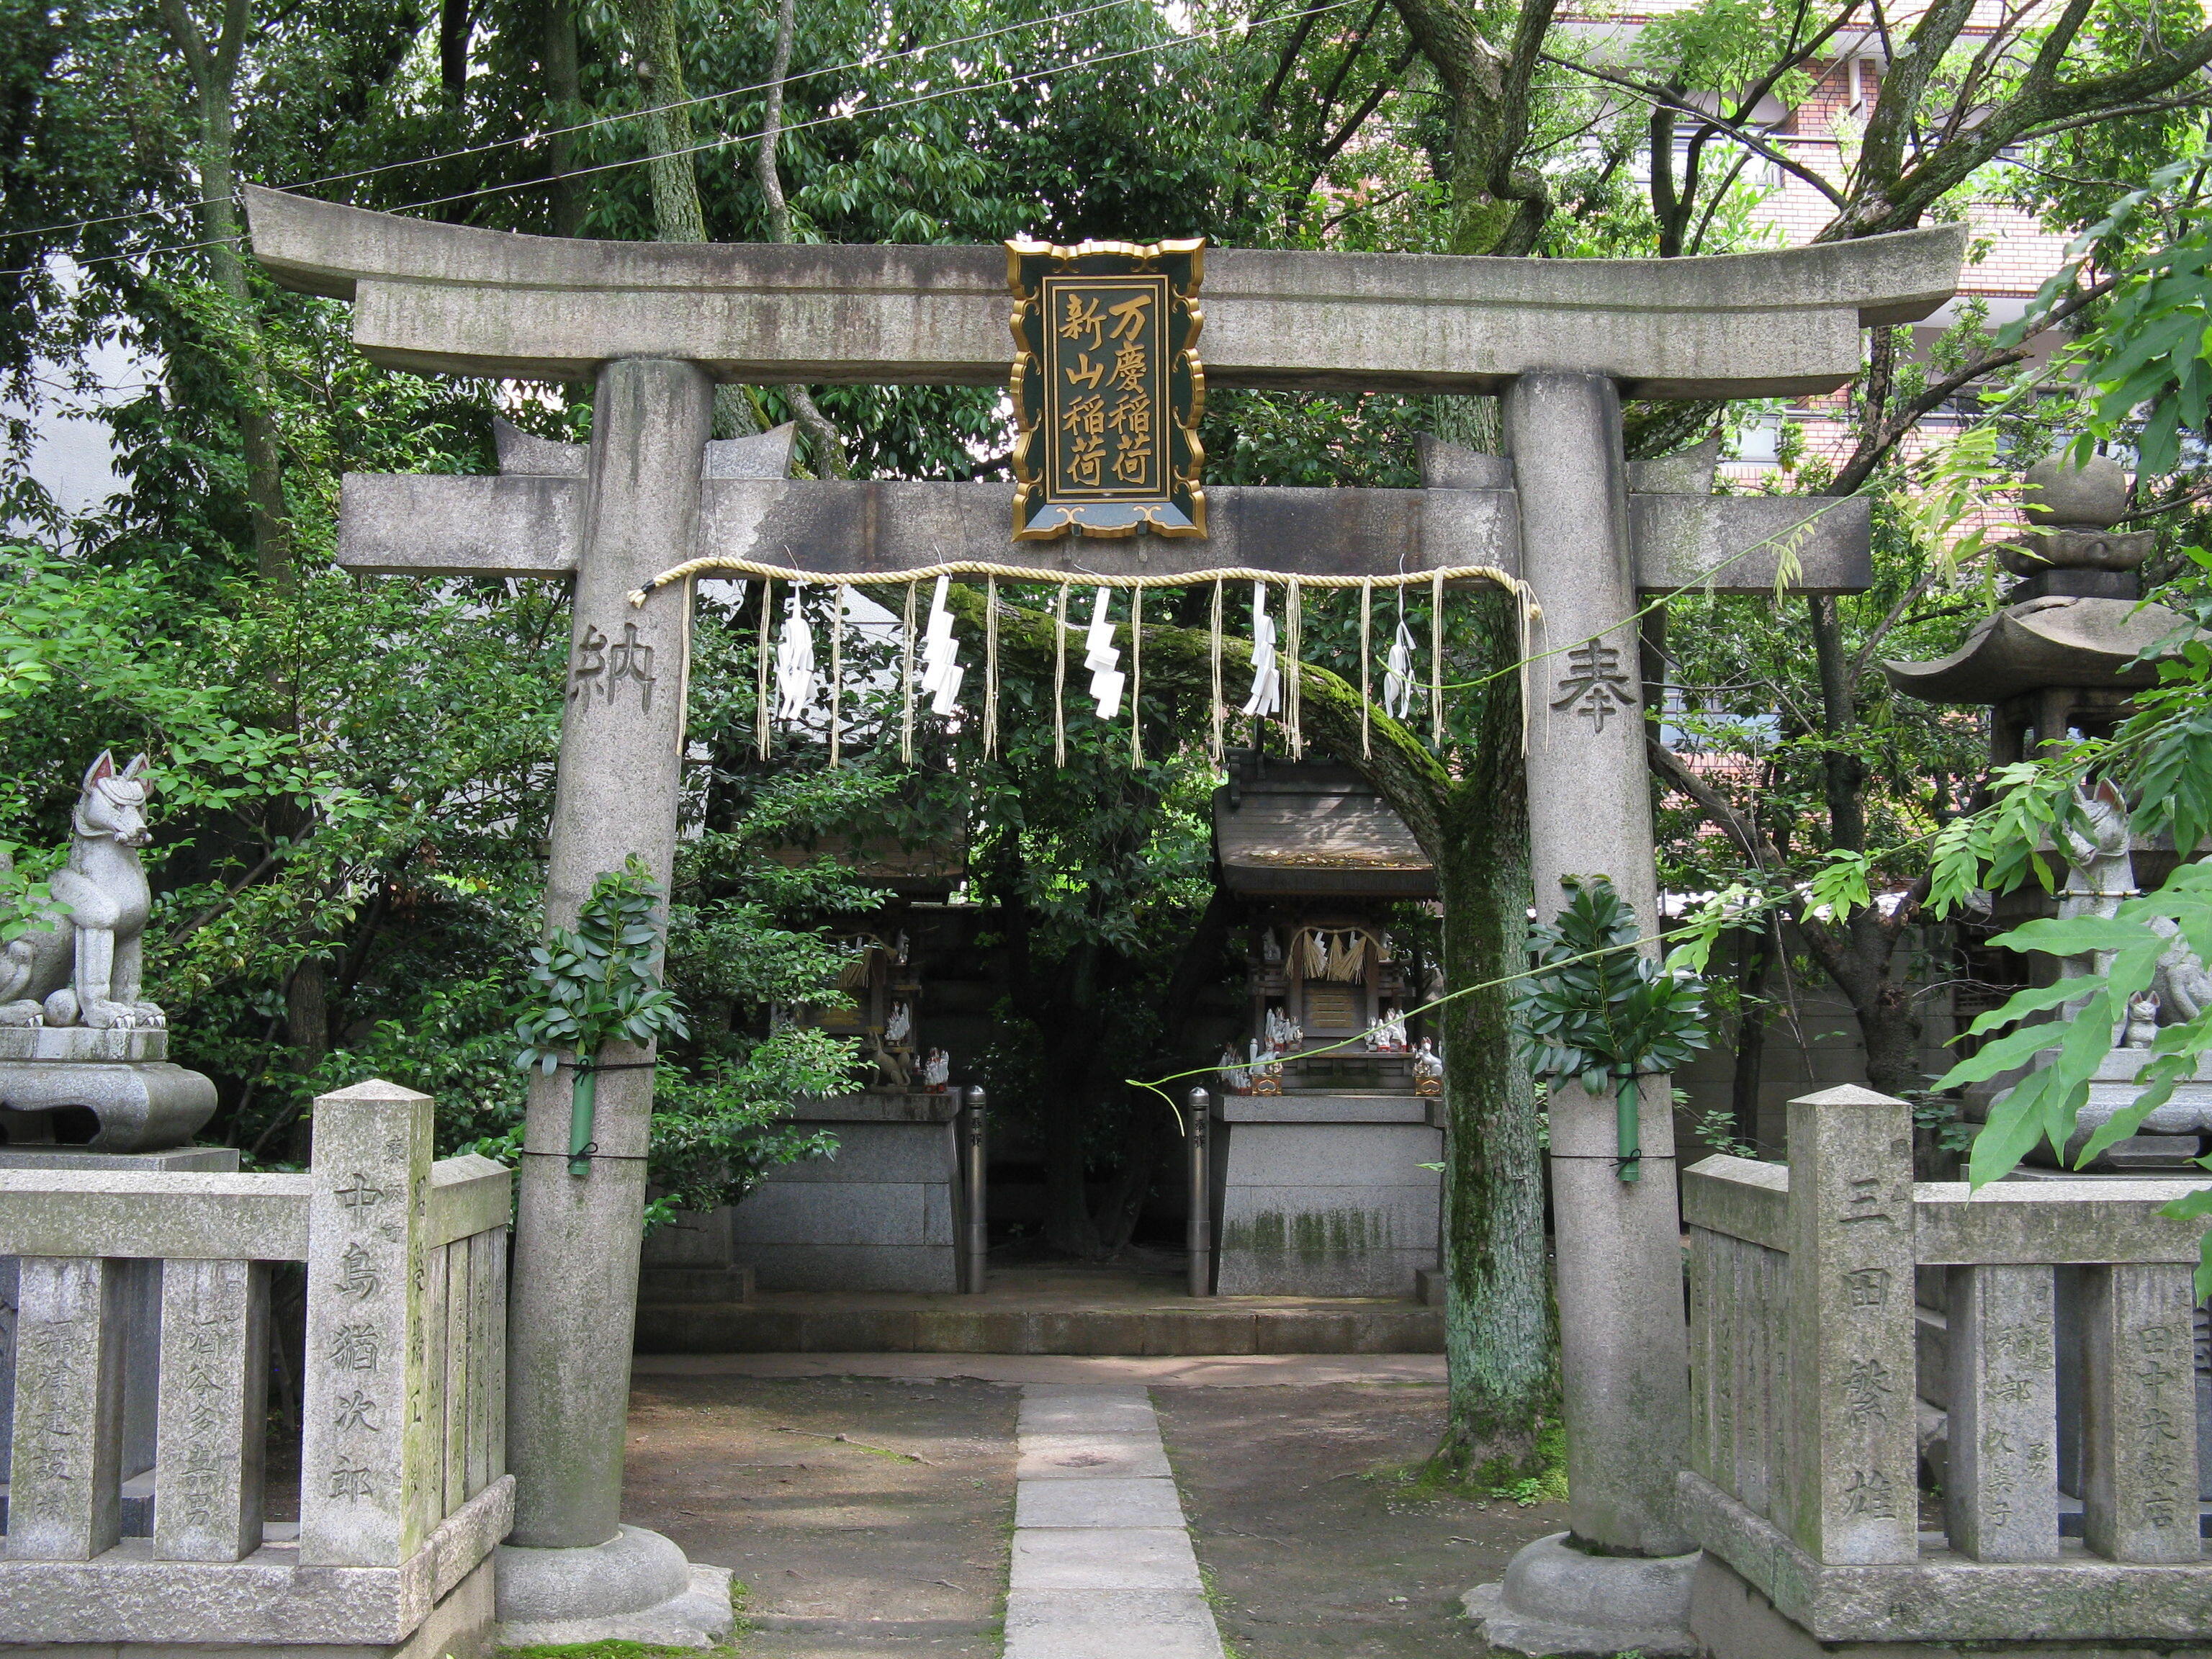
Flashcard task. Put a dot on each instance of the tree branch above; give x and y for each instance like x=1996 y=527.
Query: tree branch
x=1285 y=63
x=1677 y=775
x=1881 y=149
x=1358 y=118
x=1895 y=202
x=1913 y=594
x=828 y=444
x=1757 y=146
x=1352 y=55
x=2189 y=499
x=1889 y=430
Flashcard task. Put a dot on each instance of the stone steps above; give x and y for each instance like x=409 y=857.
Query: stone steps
x=796 y=1323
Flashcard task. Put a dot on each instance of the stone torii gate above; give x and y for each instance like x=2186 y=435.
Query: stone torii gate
x=652 y=326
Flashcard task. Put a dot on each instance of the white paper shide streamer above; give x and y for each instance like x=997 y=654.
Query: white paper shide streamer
x=1398 y=671
x=1104 y=659
x=941 y=670
x=796 y=678
x=1267 y=696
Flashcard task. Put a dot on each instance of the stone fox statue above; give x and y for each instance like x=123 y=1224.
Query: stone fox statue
x=82 y=965
x=2100 y=874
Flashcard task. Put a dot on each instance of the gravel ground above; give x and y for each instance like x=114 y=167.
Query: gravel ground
x=1311 y=1554
x=867 y=1517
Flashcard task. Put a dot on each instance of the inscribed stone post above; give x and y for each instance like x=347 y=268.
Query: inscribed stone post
x=1853 y=1494
x=2001 y=1473
x=368 y=1490
x=213 y=1406
x=1623 y=1346
x=573 y=1310
x=65 y=1469
x=2139 y=1413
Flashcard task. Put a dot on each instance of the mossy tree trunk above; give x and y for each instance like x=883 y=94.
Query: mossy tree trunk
x=1497 y=1318
x=1473 y=823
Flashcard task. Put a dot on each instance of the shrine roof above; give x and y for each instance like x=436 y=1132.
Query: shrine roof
x=928 y=871
x=1314 y=830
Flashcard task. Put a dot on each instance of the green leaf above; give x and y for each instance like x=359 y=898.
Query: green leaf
x=2034 y=1000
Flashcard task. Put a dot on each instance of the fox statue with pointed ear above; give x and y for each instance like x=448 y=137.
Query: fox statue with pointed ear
x=81 y=962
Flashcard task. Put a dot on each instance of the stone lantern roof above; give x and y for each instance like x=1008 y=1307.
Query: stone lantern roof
x=2061 y=639
x=2076 y=619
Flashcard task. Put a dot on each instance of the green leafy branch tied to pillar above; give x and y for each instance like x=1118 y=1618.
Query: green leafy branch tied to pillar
x=599 y=983
x=1599 y=1011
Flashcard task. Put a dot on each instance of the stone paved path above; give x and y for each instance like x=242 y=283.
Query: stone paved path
x=1102 y=1566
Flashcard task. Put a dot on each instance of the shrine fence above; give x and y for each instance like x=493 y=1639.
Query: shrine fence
x=404 y=1491
x=1808 y=1362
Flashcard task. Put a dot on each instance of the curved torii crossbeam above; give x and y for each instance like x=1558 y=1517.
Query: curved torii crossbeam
x=456 y=300
x=653 y=326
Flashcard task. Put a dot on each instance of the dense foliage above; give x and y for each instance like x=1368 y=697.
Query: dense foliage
x=354 y=776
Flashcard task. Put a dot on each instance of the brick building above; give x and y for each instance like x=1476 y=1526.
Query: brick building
x=2010 y=255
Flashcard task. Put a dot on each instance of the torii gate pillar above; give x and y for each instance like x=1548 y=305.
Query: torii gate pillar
x=615 y=794
x=1624 y=1353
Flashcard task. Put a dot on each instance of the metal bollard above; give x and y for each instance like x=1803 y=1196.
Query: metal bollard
x=1199 y=1233
x=977 y=1244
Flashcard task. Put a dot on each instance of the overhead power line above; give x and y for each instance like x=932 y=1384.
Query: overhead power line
x=595 y=123
x=725 y=142
x=1027 y=77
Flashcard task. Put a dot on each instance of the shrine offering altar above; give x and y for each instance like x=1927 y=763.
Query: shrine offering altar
x=1325 y=1194
x=881 y=1215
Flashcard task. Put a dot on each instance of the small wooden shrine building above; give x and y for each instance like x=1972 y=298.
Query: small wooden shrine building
x=1323 y=1125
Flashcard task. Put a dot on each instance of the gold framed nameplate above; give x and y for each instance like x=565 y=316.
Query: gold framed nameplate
x=1107 y=389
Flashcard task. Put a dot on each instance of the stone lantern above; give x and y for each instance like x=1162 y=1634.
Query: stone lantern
x=2061 y=661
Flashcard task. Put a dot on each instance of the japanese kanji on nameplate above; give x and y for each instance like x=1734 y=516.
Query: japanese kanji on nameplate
x=1107 y=388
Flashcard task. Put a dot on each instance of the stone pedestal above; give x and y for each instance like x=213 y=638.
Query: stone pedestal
x=1559 y=1601
x=2167 y=1138
x=693 y=1258
x=1325 y=1194
x=636 y=1587
x=879 y=1215
x=2168 y=1141
x=138 y=1292
x=125 y=1079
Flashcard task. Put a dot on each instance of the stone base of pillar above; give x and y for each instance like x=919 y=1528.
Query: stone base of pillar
x=1557 y=1600
x=636 y=1587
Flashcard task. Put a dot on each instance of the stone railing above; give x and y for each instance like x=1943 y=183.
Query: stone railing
x=403 y=1493
x=1804 y=1453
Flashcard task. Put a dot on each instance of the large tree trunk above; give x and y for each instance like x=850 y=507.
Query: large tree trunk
x=1497 y=1337
x=1857 y=957
x=1499 y=204
x=212 y=66
x=564 y=108
x=822 y=438
x=1754 y=962
x=678 y=215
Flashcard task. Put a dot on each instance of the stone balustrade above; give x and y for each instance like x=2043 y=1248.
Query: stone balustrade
x=1802 y=1485
x=403 y=1491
